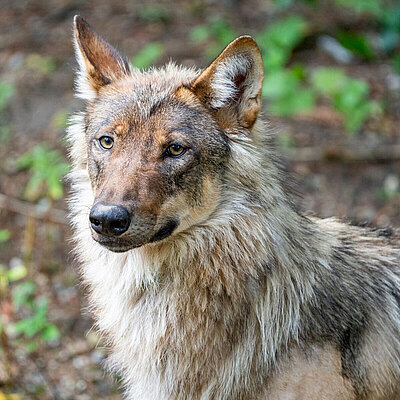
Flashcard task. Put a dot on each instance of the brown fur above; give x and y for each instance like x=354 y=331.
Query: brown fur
x=316 y=375
x=219 y=288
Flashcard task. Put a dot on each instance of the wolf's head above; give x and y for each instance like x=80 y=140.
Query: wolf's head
x=158 y=142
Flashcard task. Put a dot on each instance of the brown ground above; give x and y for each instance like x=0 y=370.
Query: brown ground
x=70 y=368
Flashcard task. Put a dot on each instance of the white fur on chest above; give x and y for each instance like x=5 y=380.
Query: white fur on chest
x=151 y=347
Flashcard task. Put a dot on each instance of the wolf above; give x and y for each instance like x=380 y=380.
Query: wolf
x=205 y=279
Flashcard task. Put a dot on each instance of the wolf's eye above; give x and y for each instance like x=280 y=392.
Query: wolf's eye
x=175 y=150
x=106 y=142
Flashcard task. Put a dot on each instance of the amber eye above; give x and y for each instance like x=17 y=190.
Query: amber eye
x=106 y=142
x=175 y=150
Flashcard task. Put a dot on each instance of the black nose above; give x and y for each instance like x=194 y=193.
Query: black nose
x=109 y=219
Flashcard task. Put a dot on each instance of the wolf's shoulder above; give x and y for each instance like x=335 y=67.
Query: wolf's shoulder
x=362 y=233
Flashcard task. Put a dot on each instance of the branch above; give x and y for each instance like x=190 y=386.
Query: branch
x=37 y=211
x=381 y=154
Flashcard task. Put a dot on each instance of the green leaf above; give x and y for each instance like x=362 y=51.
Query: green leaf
x=41 y=308
x=222 y=30
x=279 y=84
x=352 y=96
x=30 y=347
x=329 y=81
x=301 y=101
x=25 y=326
x=47 y=169
x=275 y=58
x=148 y=55
x=22 y=293
x=34 y=325
x=356 y=43
x=17 y=273
x=279 y=39
x=200 y=33
x=355 y=119
x=348 y=96
x=50 y=332
x=284 y=90
x=4 y=235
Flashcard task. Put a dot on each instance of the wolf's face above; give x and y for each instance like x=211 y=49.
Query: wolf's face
x=151 y=174
x=157 y=141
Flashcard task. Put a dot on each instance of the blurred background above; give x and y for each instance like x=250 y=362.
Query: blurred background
x=331 y=94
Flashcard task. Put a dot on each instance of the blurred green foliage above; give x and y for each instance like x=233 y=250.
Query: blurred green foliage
x=286 y=141
x=60 y=120
x=390 y=27
x=35 y=328
x=289 y=88
x=217 y=34
x=279 y=39
x=4 y=235
x=284 y=87
x=373 y=7
x=396 y=64
x=6 y=93
x=356 y=43
x=149 y=55
x=47 y=168
x=153 y=13
x=286 y=93
x=8 y=276
x=42 y=65
x=348 y=96
x=383 y=14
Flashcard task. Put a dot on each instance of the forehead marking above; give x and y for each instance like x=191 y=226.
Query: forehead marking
x=121 y=129
x=160 y=137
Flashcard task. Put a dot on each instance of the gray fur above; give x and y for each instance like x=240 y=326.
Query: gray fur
x=246 y=287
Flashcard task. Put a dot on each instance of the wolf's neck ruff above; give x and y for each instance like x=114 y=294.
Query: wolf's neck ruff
x=205 y=282
x=223 y=290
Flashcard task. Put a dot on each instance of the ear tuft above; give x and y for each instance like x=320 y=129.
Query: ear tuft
x=99 y=62
x=227 y=80
x=234 y=81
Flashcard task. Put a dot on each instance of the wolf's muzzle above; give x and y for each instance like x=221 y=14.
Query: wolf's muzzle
x=109 y=219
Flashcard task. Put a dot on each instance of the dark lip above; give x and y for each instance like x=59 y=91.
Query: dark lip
x=116 y=247
x=121 y=245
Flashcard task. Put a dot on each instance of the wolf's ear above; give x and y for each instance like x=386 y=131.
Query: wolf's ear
x=234 y=81
x=99 y=62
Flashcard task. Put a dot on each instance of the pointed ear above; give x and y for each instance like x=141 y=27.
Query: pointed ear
x=99 y=62
x=234 y=81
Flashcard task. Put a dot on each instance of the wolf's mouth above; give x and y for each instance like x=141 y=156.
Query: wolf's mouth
x=165 y=231
x=117 y=246
x=120 y=245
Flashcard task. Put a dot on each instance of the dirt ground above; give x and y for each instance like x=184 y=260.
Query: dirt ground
x=335 y=177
